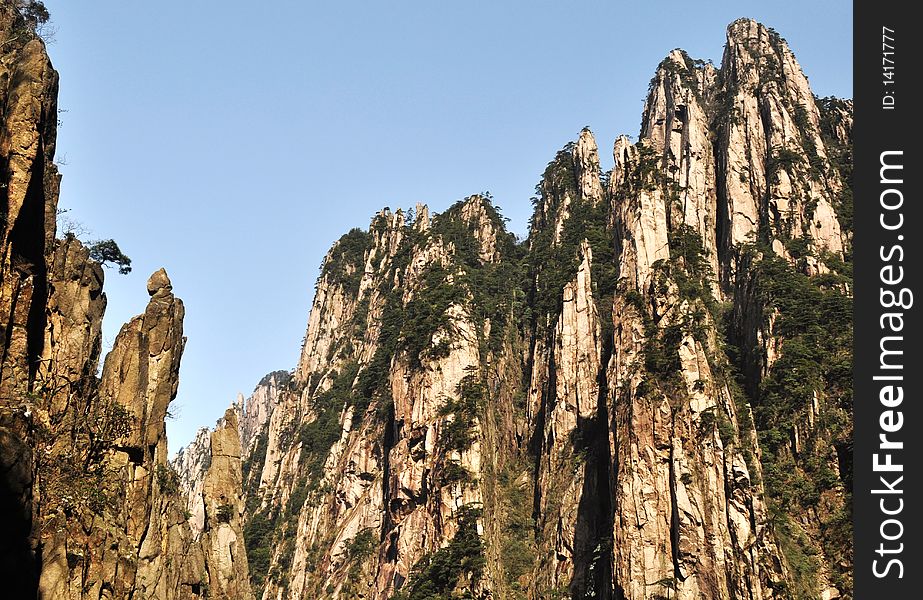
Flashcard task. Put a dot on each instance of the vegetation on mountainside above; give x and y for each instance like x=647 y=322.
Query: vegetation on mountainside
x=839 y=155
x=449 y=573
x=259 y=524
x=72 y=445
x=411 y=326
x=107 y=252
x=517 y=550
x=812 y=316
x=421 y=314
x=34 y=22
x=553 y=264
x=345 y=264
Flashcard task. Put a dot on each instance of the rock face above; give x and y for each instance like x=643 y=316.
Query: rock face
x=647 y=398
x=226 y=558
x=28 y=94
x=255 y=411
x=128 y=535
x=604 y=410
x=91 y=507
x=193 y=462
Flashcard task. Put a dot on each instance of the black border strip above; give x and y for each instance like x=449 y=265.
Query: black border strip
x=887 y=116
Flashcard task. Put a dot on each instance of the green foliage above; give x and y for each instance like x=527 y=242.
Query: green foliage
x=258 y=534
x=362 y=546
x=799 y=247
x=107 y=251
x=661 y=351
x=72 y=448
x=781 y=159
x=689 y=269
x=724 y=109
x=264 y=529
x=283 y=378
x=800 y=116
x=167 y=479
x=318 y=436
x=345 y=264
x=839 y=153
x=837 y=530
x=636 y=299
x=487 y=290
x=649 y=172
x=843 y=206
x=707 y=422
x=427 y=313
x=802 y=561
x=33 y=12
x=813 y=318
x=693 y=273
x=436 y=576
x=298 y=497
x=817 y=165
x=281 y=572
x=686 y=72
x=552 y=265
x=225 y=512
x=453 y=473
x=816 y=326
x=726 y=430
x=517 y=551
x=358 y=549
x=252 y=468
x=457 y=430
x=373 y=381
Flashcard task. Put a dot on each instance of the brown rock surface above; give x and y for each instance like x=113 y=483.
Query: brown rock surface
x=573 y=391
x=91 y=507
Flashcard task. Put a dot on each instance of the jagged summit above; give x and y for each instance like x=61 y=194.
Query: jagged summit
x=561 y=416
x=159 y=280
x=91 y=507
x=648 y=398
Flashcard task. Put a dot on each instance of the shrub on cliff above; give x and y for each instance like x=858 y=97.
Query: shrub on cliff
x=107 y=251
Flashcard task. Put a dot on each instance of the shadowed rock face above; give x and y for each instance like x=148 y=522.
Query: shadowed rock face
x=28 y=94
x=91 y=508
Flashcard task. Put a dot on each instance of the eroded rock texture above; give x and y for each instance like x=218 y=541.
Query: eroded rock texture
x=91 y=508
x=647 y=398
x=605 y=409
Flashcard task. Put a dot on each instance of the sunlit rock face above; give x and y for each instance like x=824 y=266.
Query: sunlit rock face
x=91 y=508
x=593 y=411
x=601 y=410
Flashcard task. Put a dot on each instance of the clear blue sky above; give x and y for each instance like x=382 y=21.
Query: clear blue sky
x=232 y=142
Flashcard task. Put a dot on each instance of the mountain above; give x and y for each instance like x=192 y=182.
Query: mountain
x=647 y=398
x=91 y=507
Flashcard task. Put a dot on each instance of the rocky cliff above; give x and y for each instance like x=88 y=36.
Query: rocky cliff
x=647 y=398
x=91 y=507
